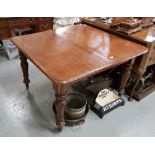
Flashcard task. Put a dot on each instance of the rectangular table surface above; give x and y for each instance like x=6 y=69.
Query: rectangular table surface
x=68 y=54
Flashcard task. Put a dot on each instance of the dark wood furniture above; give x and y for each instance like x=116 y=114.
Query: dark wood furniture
x=8 y=25
x=97 y=21
x=67 y=55
x=145 y=37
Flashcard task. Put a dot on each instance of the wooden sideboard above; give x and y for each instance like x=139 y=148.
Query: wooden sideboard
x=38 y=24
x=145 y=37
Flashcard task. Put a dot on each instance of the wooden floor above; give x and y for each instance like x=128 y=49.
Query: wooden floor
x=30 y=113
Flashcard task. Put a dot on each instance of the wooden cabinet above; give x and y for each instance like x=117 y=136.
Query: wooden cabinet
x=12 y=23
x=30 y=20
x=3 y=24
x=4 y=33
x=44 y=26
x=151 y=56
x=44 y=18
x=7 y=25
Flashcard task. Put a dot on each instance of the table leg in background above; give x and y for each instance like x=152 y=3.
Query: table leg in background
x=24 y=66
x=125 y=76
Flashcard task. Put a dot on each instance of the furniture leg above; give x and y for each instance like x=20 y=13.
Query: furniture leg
x=138 y=77
x=60 y=94
x=24 y=66
x=125 y=77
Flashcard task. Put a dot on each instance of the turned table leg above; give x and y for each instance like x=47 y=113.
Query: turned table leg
x=125 y=76
x=24 y=66
x=60 y=94
x=138 y=77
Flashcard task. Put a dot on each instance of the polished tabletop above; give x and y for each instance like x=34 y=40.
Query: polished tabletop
x=147 y=34
x=68 y=54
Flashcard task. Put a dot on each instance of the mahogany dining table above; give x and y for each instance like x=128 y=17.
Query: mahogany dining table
x=69 y=54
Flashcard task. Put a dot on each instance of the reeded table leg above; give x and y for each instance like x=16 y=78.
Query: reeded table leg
x=24 y=66
x=125 y=77
x=60 y=94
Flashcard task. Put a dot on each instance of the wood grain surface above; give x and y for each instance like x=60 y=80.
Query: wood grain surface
x=68 y=54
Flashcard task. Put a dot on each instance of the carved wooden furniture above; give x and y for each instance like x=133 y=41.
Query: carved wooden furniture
x=67 y=55
x=8 y=25
x=145 y=37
